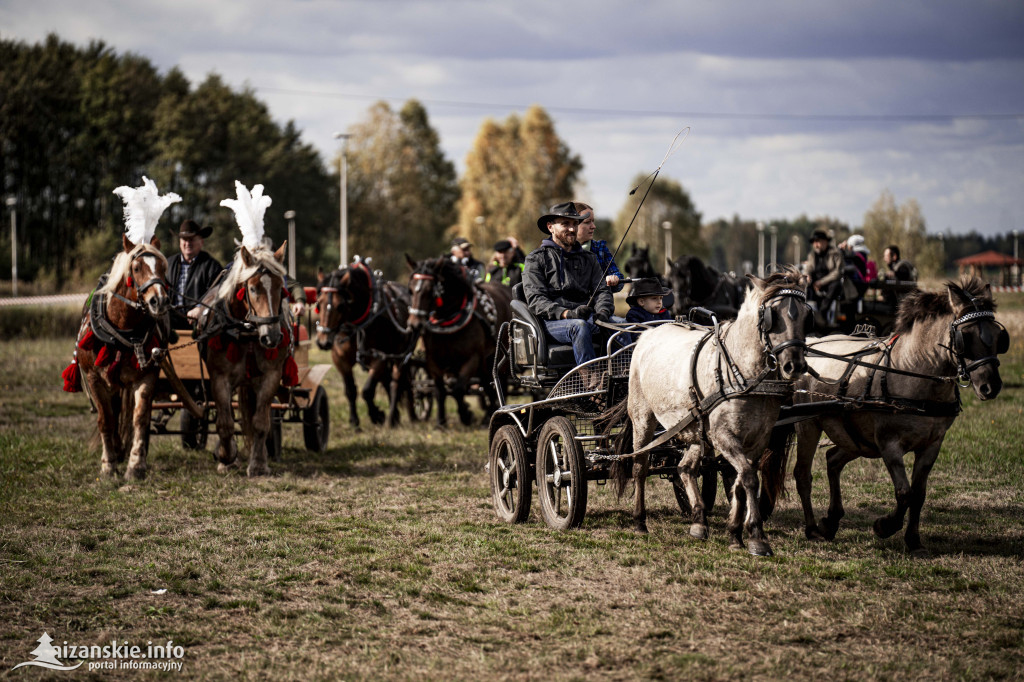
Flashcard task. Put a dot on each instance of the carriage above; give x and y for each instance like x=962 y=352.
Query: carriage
x=305 y=403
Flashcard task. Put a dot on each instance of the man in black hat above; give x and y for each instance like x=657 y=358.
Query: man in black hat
x=462 y=252
x=564 y=285
x=506 y=267
x=191 y=273
x=823 y=273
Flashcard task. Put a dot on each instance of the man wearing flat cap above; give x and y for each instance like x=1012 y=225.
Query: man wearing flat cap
x=564 y=285
x=191 y=273
x=506 y=268
x=823 y=273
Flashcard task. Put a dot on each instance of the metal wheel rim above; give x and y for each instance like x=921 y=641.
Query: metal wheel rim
x=507 y=480
x=557 y=475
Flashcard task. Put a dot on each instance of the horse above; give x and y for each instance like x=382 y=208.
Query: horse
x=459 y=321
x=248 y=346
x=638 y=265
x=729 y=399
x=698 y=285
x=360 y=321
x=123 y=337
x=903 y=398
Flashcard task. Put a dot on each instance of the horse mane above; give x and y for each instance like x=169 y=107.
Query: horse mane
x=262 y=257
x=122 y=264
x=920 y=305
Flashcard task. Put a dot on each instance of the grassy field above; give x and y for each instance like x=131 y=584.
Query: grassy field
x=383 y=558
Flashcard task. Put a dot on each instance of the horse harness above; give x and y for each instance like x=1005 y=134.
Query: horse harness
x=382 y=301
x=480 y=306
x=736 y=386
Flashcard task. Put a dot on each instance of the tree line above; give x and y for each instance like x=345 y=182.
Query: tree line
x=76 y=122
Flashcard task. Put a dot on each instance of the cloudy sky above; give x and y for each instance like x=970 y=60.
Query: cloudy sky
x=796 y=106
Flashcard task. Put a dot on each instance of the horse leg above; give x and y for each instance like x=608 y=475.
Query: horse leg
x=757 y=543
x=259 y=411
x=643 y=430
x=808 y=433
x=440 y=398
x=343 y=356
x=459 y=393
x=394 y=392
x=227 y=451
x=924 y=460
x=836 y=460
x=370 y=391
x=689 y=470
x=106 y=423
x=890 y=524
x=737 y=511
x=143 y=399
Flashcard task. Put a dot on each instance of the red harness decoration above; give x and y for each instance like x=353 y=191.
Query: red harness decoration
x=72 y=377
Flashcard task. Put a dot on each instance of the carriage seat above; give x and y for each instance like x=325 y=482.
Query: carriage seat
x=554 y=358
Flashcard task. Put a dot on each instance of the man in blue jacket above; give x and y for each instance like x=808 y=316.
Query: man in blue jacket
x=564 y=285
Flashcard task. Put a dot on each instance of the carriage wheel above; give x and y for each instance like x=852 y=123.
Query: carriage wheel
x=194 y=431
x=511 y=488
x=561 y=479
x=316 y=422
x=275 y=437
x=422 y=393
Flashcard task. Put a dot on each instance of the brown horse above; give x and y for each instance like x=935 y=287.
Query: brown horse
x=123 y=337
x=360 y=320
x=903 y=398
x=249 y=348
x=459 y=320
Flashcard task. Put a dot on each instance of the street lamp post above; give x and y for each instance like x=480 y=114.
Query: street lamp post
x=290 y=217
x=760 y=249
x=774 y=231
x=1016 y=266
x=667 y=226
x=344 y=195
x=796 y=250
x=12 y=202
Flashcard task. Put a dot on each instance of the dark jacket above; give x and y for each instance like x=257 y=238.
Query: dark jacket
x=201 y=275
x=555 y=281
x=638 y=314
x=510 y=276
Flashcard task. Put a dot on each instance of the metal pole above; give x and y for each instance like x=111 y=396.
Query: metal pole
x=760 y=249
x=12 y=202
x=290 y=217
x=774 y=231
x=1016 y=266
x=344 y=195
x=667 y=226
x=796 y=250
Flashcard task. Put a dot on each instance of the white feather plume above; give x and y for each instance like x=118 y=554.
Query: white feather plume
x=249 y=210
x=143 y=207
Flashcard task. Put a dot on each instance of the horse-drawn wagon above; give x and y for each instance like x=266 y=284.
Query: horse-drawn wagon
x=576 y=433
x=305 y=403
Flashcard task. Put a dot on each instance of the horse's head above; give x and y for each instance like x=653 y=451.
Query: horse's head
x=679 y=279
x=426 y=286
x=146 y=276
x=784 y=319
x=259 y=288
x=976 y=338
x=638 y=265
x=330 y=305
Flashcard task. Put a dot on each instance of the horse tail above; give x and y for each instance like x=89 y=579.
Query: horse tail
x=772 y=467
x=621 y=471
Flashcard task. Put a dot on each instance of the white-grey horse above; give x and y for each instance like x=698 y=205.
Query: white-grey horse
x=675 y=374
x=940 y=337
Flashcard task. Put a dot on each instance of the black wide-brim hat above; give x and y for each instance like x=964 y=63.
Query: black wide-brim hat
x=820 y=234
x=645 y=287
x=566 y=210
x=190 y=228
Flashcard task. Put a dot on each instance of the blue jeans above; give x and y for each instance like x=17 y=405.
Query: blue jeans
x=579 y=333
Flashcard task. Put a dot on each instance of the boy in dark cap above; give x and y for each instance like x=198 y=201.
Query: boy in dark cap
x=646 y=302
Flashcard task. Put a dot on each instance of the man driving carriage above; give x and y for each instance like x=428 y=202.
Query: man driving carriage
x=191 y=273
x=564 y=285
x=823 y=271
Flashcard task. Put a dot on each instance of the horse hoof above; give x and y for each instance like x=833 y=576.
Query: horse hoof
x=223 y=468
x=136 y=474
x=108 y=471
x=813 y=534
x=920 y=553
x=884 y=528
x=640 y=528
x=253 y=472
x=759 y=548
x=736 y=546
x=698 y=531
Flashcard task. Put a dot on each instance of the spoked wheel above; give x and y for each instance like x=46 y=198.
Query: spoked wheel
x=316 y=422
x=194 y=430
x=511 y=488
x=422 y=393
x=561 y=480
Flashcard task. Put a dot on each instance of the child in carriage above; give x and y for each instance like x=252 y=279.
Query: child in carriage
x=646 y=302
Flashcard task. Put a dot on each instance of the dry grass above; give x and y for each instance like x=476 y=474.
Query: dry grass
x=383 y=559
